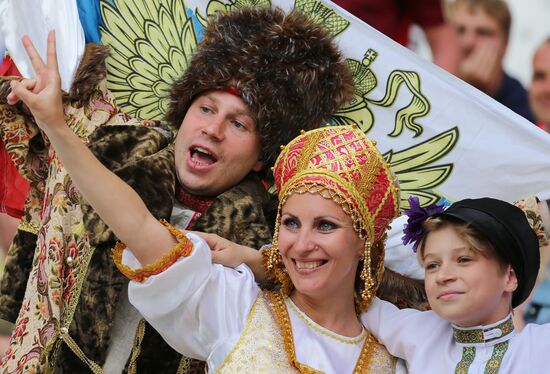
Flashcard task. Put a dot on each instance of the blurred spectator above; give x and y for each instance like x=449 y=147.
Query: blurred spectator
x=483 y=28
x=394 y=18
x=539 y=93
x=538 y=309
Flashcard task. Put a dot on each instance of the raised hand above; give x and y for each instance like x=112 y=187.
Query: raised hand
x=41 y=94
x=116 y=202
x=483 y=68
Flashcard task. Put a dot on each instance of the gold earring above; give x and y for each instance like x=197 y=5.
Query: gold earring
x=369 y=284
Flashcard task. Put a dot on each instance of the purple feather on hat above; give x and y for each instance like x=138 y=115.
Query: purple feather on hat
x=414 y=228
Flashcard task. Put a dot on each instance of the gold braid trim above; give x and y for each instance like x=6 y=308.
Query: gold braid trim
x=366 y=356
x=64 y=336
x=27 y=226
x=283 y=320
x=183 y=248
x=185 y=365
x=136 y=349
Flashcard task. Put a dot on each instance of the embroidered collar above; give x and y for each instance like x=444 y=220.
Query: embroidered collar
x=196 y=203
x=497 y=332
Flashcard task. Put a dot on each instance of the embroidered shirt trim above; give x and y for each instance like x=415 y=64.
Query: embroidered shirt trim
x=468 y=356
x=497 y=332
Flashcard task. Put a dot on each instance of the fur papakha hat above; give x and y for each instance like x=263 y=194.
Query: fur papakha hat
x=286 y=67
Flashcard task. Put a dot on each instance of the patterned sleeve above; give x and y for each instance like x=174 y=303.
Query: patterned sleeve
x=530 y=207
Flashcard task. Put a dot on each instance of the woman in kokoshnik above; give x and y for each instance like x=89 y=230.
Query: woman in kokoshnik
x=337 y=197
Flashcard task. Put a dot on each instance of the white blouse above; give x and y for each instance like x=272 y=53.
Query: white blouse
x=201 y=310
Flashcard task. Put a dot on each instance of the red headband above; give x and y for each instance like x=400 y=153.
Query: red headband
x=232 y=90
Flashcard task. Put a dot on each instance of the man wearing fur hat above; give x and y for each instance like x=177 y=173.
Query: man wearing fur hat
x=234 y=106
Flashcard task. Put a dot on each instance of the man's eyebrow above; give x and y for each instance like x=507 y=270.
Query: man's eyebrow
x=210 y=97
x=245 y=112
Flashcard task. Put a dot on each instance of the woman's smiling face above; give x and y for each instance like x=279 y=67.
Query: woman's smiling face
x=319 y=247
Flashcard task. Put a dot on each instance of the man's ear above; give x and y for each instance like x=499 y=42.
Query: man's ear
x=258 y=166
x=511 y=280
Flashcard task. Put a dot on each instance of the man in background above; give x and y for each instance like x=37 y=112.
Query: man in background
x=483 y=28
x=394 y=18
x=539 y=93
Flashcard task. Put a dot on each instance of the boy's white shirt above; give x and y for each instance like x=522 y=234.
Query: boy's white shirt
x=425 y=341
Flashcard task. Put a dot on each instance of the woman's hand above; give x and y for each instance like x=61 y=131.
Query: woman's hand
x=227 y=253
x=42 y=94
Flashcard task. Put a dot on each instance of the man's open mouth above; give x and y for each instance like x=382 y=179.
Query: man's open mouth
x=201 y=156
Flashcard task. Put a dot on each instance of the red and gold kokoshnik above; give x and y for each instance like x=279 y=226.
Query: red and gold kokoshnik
x=340 y=163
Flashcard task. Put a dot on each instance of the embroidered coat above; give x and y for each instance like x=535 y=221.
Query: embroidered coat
x=60 y=286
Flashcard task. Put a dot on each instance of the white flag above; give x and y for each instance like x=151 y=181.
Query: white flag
x=443 y=138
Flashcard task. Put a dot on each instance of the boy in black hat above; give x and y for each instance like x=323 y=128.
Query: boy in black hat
x=481 y=259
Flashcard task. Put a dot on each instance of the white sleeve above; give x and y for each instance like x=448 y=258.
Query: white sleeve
x=195 y=304
x=399 y=257
x=400 y=330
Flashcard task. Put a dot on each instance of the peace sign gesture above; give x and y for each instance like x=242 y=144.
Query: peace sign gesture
x=43 y=93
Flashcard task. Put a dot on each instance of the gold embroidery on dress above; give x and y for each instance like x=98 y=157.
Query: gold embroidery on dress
x=260 y=347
